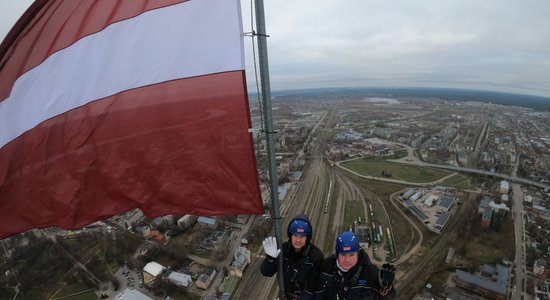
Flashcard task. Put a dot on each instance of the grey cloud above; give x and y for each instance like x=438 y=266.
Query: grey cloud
x=492 y=44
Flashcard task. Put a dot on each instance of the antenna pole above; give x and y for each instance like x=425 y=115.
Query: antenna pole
x=270 y=134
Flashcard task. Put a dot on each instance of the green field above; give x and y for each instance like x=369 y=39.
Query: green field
x=354 y=209
x=88 y=295
x=401 y=153
x=458 y=181
x=71 y=289
x=376 y=166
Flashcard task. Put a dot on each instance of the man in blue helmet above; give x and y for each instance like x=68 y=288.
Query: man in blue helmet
x=350 y=275
x=301 y=259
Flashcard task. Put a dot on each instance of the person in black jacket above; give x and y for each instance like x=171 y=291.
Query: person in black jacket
x=350 y=275
x=301 y=259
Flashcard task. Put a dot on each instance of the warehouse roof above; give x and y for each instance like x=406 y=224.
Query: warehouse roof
x=153 y=268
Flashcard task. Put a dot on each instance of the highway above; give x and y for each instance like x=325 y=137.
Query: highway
x=510 y=178
x=487 y=173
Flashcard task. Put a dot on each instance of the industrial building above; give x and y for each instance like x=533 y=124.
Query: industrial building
x=447 y=202
x=408 y=194
x=187 y=221
x=419 y=214
x=442 y=221
x=151 y=271
x=180 y=279
x=363 y=234
x=491 y=282
x=430 y=201
x=131 y=294
x=207 y=221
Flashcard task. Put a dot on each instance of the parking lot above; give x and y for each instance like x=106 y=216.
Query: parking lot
x=129 y=278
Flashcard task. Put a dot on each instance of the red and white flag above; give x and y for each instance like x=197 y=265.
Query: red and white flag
x=106 y=106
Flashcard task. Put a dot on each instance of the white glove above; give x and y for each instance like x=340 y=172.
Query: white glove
x=270 y=247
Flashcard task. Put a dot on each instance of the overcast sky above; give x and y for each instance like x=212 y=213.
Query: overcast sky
x=497 y=45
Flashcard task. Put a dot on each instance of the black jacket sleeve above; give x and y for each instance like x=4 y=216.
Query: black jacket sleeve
x=269 y=266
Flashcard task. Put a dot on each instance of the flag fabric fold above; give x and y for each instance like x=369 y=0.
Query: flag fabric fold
x=106 y=106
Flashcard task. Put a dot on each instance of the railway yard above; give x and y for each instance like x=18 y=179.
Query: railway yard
x=333 y=198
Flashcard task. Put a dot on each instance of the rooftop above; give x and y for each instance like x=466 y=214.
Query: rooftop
x=132 y=295
x=153 y=268
x=447 y=201
x=442 y=220
x=500 y=286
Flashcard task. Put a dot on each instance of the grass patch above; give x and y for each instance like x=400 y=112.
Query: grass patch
x=457 y=181
x=354 y=209
x=379 y=213
x=478 y=252
x=382 y=189
x=71 y=289
x=403 y=234
x=6 y=293
x=86 y=296
x=439 y=281
x=187 y=242
x=37 y=293
x=484 y=246
x=113 y=267
x=98 y=267
x=375 y=167
x=490 y=247
x=401 y=153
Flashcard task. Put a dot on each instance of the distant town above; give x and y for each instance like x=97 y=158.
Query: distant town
x=455 y=193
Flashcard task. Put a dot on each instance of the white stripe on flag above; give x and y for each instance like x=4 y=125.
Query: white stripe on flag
x=180 y=41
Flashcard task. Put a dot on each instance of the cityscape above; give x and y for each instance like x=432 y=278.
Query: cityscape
x=454 y=193
x=150 y=150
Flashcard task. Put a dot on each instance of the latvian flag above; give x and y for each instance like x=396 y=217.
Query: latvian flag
x=107 y=105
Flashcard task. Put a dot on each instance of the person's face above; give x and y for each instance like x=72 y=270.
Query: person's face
x=298 y=241
x=347 y=261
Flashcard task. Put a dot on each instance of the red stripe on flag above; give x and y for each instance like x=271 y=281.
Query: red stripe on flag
x=180 y=147
x=50 y=26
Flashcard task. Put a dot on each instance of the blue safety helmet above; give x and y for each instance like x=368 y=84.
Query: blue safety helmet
x=299 y=227
x=347 y=242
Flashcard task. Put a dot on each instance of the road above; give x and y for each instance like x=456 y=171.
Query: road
x=488 y=173
x=518 y=212
x=511 y=178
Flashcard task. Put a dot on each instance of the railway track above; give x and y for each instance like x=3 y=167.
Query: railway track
x=308 y=197
x=322 y=195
